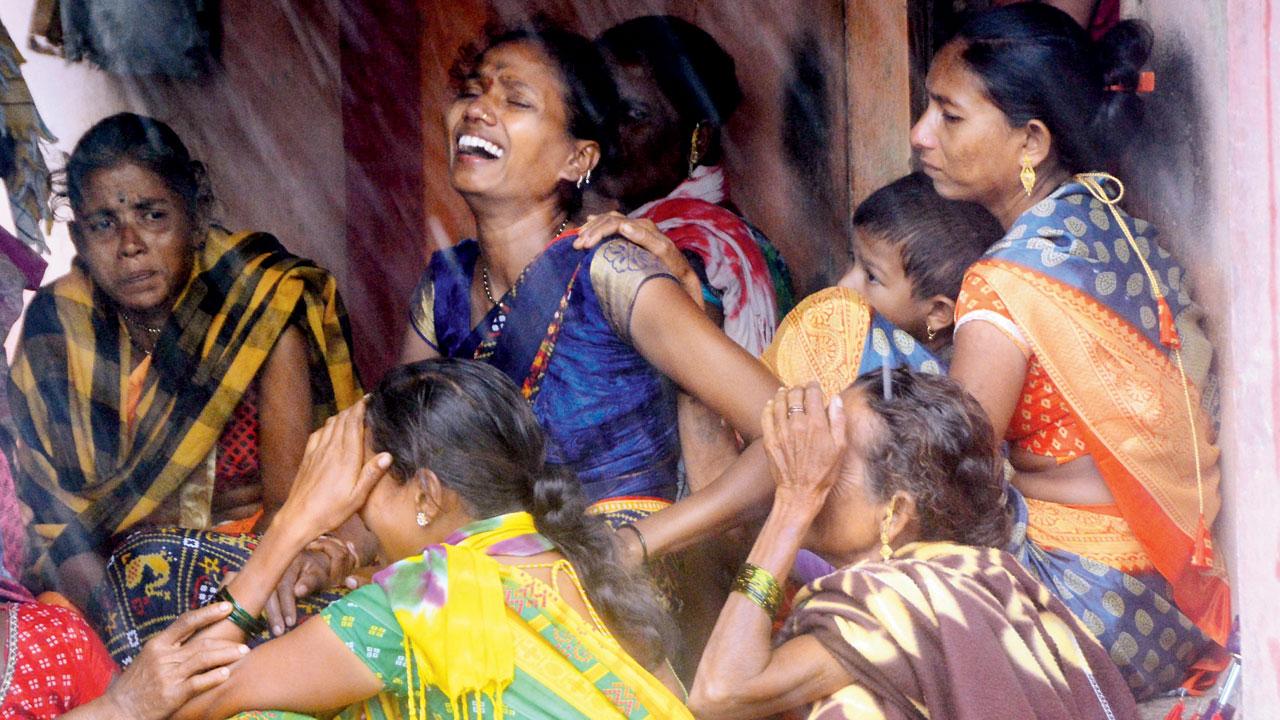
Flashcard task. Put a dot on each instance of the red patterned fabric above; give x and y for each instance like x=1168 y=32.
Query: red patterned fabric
x=238 y=445
x=61 y=663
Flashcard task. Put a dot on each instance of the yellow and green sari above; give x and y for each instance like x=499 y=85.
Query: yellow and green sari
x=455 y=634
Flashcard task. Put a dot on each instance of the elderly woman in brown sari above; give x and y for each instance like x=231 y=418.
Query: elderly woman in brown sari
x=897 y=483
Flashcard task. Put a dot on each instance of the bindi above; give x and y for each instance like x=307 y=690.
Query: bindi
x=120 y=199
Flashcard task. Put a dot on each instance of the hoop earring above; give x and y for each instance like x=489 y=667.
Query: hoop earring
x=422 y=519
x=695 y=153
x=886 y=550
x=1028 y=174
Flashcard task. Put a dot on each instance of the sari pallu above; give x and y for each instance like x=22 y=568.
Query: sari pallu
x=1078 y=292
x=561 y=333
x=455 y=634
x=950 y=632
x=744 y=273
x=832 y=337
x=86 y=472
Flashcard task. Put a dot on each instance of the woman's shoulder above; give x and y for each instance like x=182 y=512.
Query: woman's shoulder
x=616 y=270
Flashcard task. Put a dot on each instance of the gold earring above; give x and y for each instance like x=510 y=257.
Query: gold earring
x=930 y=333
x=695 y=153
x=886 y=550
x=1028 y=174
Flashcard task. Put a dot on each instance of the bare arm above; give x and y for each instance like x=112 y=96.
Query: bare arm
x=170 y=669
x=991 y=368
x=322 y=674
x=741 y=675
x=414 y=348
x=673 y=334
x=284 y=412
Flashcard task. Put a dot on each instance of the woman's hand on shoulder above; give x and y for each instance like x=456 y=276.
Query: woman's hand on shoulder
x=171 y=669
x=645 y=233
x=805 y=442
x=335 y=476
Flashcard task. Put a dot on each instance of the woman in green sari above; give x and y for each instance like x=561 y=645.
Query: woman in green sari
x=517 y=607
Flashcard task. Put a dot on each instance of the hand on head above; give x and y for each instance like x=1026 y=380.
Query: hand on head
x=335 y=477
x=805 y=443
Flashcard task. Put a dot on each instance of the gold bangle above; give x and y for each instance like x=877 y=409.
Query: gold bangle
x=760 y=587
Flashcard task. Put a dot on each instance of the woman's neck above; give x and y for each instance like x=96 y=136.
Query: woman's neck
x=1009 y=209
x=510 y=238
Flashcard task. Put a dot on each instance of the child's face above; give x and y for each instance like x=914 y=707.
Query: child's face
x=877 y=274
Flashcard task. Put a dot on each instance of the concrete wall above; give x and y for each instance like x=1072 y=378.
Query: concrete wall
x=268 y=124
x=1207 y=175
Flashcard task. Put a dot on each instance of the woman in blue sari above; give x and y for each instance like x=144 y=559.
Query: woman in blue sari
x=594 y=345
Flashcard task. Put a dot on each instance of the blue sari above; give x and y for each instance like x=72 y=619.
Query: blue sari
x=561 y=334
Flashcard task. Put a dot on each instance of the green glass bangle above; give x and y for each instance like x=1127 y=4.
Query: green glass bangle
x=239 y=616
x=760 y=587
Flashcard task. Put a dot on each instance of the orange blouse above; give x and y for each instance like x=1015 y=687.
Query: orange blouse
x=1042 y=422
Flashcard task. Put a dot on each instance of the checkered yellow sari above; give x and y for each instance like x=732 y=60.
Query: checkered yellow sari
x=85 y=471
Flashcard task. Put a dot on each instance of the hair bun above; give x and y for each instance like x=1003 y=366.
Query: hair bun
x=1123 y=52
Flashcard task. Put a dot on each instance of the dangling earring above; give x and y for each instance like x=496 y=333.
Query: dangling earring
x=930 y=333
x=584 y=180
x=422 y=519
x=886 y=550
x=1028 y=174
x=695 y=152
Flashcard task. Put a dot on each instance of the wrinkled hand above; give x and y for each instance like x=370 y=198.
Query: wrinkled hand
x=805 y=443
x=171 y=669
x=334 y=478
x=646 y=234
x=325 y=563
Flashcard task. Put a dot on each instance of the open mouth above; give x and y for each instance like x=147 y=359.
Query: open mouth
x=473 y=146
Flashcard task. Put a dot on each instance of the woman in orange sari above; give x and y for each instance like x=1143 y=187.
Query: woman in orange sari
x=1079 y=336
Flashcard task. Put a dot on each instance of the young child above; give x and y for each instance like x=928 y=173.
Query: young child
x=896 y=304
x=910 y=250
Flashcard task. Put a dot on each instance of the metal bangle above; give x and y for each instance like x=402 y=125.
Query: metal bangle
x=644 y=547
x=760 y=587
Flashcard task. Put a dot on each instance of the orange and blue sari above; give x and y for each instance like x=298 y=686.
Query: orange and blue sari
x=1118 y=370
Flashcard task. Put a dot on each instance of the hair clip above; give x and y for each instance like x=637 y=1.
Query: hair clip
x=1146 y=84
x=886 y=379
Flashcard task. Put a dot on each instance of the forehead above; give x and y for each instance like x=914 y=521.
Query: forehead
x=951 y=77
x=863 y=427
x=874 y=247
x=524 y=62
x=125 y=183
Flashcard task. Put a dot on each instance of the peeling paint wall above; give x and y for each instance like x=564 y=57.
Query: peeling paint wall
x=1206 y=173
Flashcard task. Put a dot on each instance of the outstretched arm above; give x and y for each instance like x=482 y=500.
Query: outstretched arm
x=310 y=670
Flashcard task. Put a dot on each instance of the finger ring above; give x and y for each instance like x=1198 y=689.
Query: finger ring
x=795 y=410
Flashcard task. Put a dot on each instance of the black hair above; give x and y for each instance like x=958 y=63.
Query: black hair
x=690 y=67
x=591 y=96
x=1038 y=63
x=468 y=423
x=143 y=141
x=937 y=446
x=938 y=238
